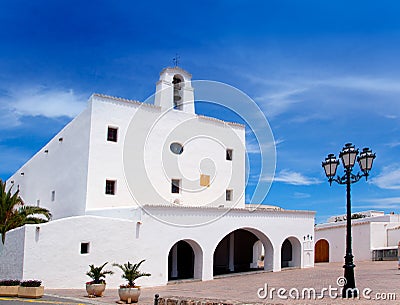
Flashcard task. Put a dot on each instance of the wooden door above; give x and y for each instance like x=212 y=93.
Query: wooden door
x=322 y=251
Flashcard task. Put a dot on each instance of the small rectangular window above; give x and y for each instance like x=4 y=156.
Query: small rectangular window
x=110 y=187
x=204 y=180
x=229 y=195
x=175 y=186
x=53 y=195
x=112 y=134
x=229 y=154
x=85 y=247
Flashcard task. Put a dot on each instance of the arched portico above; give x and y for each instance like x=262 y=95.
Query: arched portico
x=185 y=260
x=291 y=253
x=239 y=250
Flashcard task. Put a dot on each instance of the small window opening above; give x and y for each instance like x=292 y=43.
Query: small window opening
x=175 y=186
x=229 y=195
x=53 y=195
x=229 y=154
x=110 y=187
x=85 y=248
x=176 y=148
x=112 y=134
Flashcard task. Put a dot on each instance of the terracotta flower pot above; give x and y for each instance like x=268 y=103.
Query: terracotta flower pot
x=95 y=289
x=129 y=293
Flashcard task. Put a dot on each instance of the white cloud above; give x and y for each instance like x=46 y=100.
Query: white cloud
x=389 y=178
x=393 y=144
x=253 y=147
x=281 y=96
x=279 y=101
x=39 y=101
x=294 y=178
x=367 y=84
x=299 y=195
x=381 y=203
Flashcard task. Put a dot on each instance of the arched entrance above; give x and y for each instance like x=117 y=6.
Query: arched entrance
x=291 y=253
x=258 y=255
x=322 y=251
x=185 y=261
x=241 y=251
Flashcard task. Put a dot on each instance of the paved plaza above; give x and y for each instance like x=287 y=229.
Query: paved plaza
x=375 y=279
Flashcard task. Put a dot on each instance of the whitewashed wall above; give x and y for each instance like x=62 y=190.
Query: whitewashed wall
x=393 y=236
x=62 y=169
x=335 y=234
x=142 y=157
x=54 y=250
x=368 y=234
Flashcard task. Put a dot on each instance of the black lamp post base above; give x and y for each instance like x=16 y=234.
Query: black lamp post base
x=349 y=289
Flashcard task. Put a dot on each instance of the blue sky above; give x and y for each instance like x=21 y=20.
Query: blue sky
x=324 y=74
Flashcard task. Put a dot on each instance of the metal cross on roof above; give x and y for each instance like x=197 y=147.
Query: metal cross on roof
x=176 y=59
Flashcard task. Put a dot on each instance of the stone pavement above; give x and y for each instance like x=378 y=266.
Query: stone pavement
x=378 y=280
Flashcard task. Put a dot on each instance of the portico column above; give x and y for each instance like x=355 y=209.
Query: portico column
x=174 y=269
x=232 y=252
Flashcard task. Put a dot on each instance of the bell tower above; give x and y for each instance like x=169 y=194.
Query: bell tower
x=174 y=90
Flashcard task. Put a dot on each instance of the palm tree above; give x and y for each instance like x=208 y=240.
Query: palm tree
x=14 y=213
x=97 y=274
x=131 y=272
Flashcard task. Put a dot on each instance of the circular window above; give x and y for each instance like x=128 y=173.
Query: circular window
x=176 y=148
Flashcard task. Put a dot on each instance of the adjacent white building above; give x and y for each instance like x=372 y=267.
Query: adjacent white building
x=129 y=181
x=375 y=236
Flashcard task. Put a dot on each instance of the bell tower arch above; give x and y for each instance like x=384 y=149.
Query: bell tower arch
x=174 y=90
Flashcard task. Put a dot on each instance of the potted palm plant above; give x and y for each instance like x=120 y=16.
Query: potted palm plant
x=130 y=292
x=96 y=287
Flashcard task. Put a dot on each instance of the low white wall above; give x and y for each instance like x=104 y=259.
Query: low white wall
x=335 y=234
x=393 y=236
x=52 y=254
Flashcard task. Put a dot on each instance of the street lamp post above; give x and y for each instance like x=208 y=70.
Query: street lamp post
x=349 y=155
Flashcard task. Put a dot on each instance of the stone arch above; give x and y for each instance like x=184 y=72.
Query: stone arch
x=185 y=260
x=291 y=252
x=235 y=251
x=321 y=251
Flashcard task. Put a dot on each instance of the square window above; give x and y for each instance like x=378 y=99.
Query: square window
x=204 y=180
x=112 y=134
x=229 y=154
x=53 y=195
x=85 y=247
x=229 y=195
x=110 y=187
x=175 y=186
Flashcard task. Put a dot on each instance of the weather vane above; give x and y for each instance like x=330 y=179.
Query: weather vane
x=176 y=59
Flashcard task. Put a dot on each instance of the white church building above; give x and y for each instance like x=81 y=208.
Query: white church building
x=127 y=180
